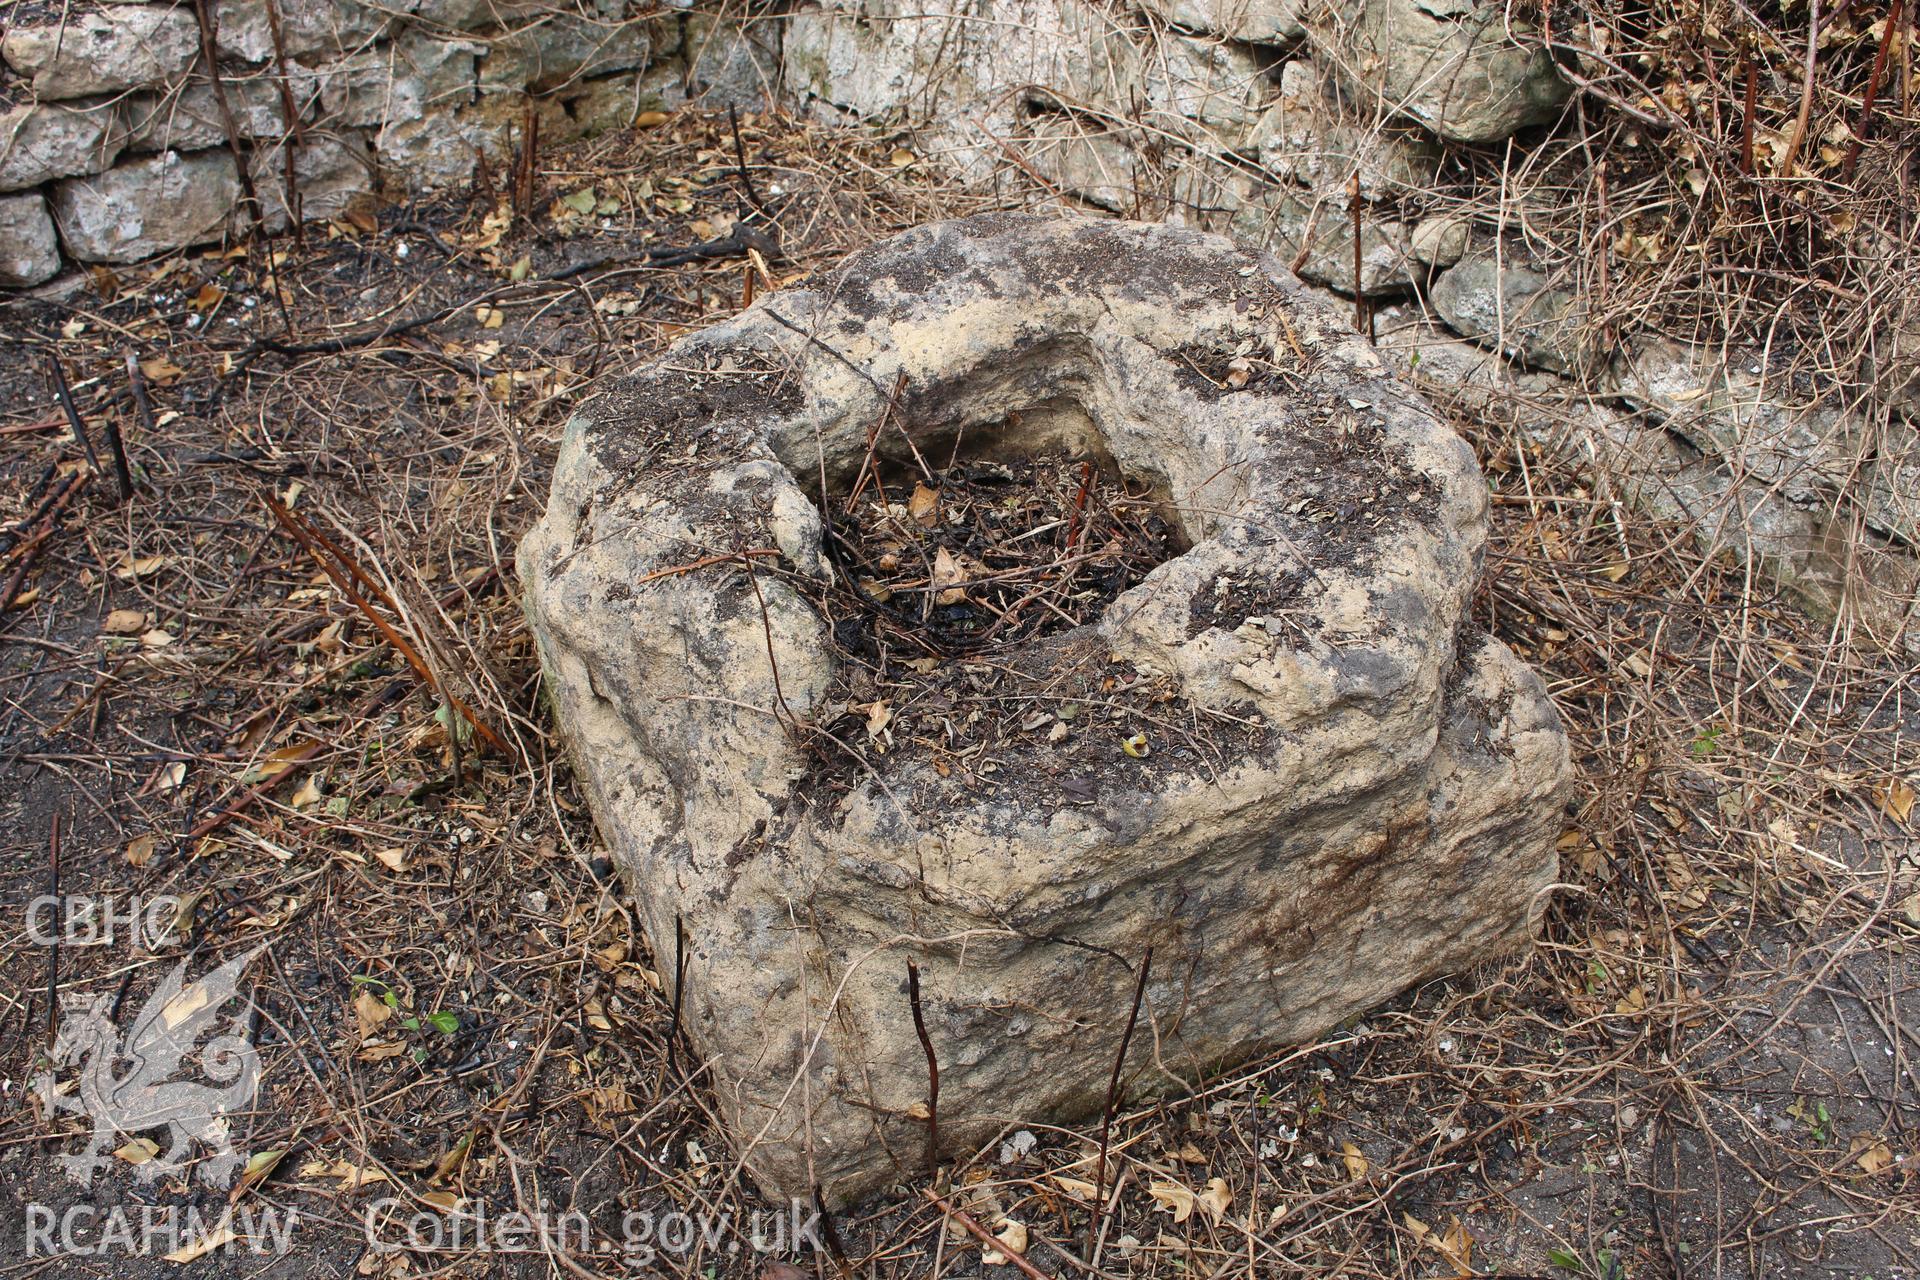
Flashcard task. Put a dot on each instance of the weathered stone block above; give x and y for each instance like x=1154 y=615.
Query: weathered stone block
x=1083 y=160
x=190 y=119
x=1439 y=242
x=1208 y=92
x=1731 y=406
x=1314 y=236
x=1256 y=21
x=1378 y=804
x=39 y=143
x=124 y=47
x=444 y=149
x=29 y=253
x=146 y=207
x=611 y=103
x=308 y=28
x=1451 y=65
x=412 y=77
x=558 y=49
x=733 y=62
x=1306 y=137
x=331 y=172
x=951 y=68
x=1501 y=300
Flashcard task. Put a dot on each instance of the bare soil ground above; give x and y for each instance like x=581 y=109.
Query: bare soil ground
x=1709 y=1067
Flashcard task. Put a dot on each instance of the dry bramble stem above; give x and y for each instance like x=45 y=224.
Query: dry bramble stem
x=1865 y=126
x=28 y=550
x=986 y=1237
x=343 y=572
x=933 y=1068
x=205 y=18
x=675 y=570
x=72 y=411
x=53 y=952
x=1113 y=1101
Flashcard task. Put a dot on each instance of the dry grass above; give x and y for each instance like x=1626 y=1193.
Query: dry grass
x=1707 y=1068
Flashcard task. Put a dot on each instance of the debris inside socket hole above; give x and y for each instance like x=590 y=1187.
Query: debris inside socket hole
x=982 y=541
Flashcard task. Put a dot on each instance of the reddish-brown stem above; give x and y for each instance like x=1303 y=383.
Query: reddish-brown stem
x=1359 y=293
x=344 y=573
x=1746 y=118
x=1112 y=1104
x=985 y=1237
x=1874 y=77
x=933 y=1068
x=53 y=952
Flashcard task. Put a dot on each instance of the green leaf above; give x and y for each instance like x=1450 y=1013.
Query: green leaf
x=581 y=201
x=1566 y=1261
x=411 y=1024
x=455 y=725
x=445 y=1022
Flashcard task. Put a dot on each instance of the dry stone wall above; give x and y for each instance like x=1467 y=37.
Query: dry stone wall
x=1332 y=132
x=1305 y=126
x=121 y=138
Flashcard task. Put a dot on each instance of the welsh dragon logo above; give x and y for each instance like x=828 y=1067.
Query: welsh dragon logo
x=125 y=1083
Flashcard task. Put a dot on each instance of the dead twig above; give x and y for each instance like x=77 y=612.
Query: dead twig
x=933 y=1068
x=985 y=1237
x=53 y=949
x=1865 y=126
x=1112 y=1103
x=342 y=570
x=1799 y=131
x=74 y=420
x=679 y=990
x=28 y=551
x=205 y=17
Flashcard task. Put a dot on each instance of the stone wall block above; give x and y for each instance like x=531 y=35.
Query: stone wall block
x=1255 y=21
x=189 y=118
x=1507 y=302
x=612 y=102
x=1083 y=160
x=40 y=142
x=1314 y=237
x=444 y=149
x=414 y=76
x=1208 y=91
x=148 y=206
x=308 y=28
x=1449 y=65
x=1308 y=138
x=331 y=173
x=558 y=49
x=124 y=47
x=29 y=249
x=1731 y=409
x=952 y=69
x=1439 y=242
x=732 y=64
